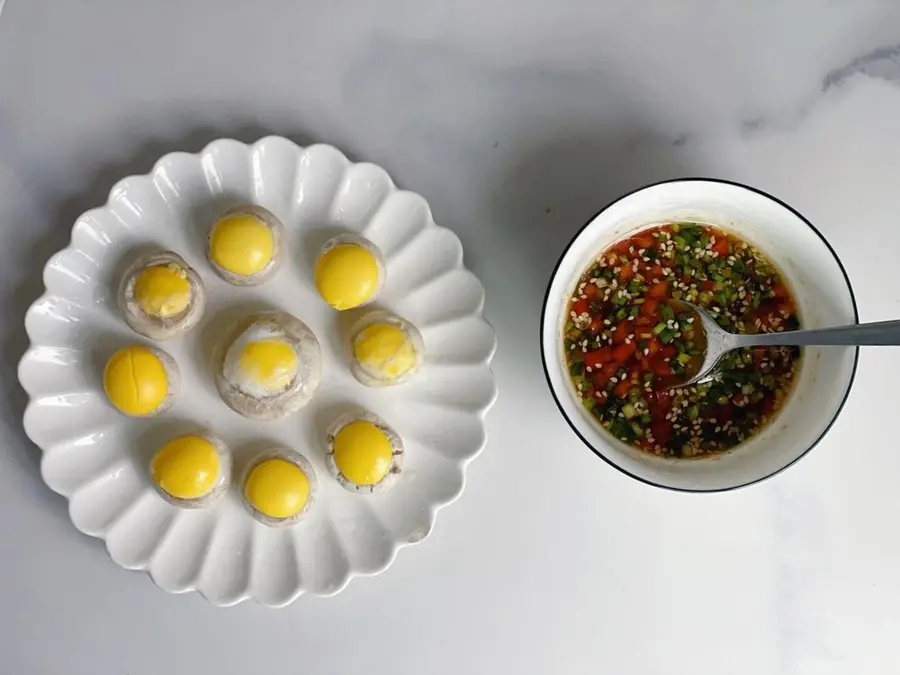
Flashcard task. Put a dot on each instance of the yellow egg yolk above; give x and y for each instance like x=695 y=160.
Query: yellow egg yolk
x=347 y=276
x=362 y=453
x=277 y=488
x=187 y=467
x=272 y=364
x=162 y=290
x=384 y=349
x=135 y=381
x=241 y=244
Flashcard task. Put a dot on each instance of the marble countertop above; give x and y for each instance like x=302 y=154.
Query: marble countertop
x=517 y=120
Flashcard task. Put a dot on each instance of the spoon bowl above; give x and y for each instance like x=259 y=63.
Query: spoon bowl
x=719 y=341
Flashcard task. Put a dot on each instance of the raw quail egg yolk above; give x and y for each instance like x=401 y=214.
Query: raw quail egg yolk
x=277 y=488
x=385 y=349
x=135 y=381
x=162 y=290
x=241 y=244
x=271 y=364
x=362 y=453
x=187 y=467
x=347 y=276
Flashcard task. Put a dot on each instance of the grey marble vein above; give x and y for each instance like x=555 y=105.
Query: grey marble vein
x=883 y=63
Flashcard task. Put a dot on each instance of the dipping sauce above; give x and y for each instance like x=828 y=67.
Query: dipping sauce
x=627 y=345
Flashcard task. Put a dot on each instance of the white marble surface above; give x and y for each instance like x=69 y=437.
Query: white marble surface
x=517 y=120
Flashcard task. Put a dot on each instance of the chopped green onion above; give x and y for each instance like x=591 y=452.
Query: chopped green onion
x=659 y=328
x=622 y=430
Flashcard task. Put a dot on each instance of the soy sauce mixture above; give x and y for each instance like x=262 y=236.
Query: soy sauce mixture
x=627 y=344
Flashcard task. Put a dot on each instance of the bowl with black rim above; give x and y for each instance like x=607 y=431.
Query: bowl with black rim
x=819 y=285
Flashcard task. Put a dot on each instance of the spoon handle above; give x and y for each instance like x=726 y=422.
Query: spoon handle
x=882 y=333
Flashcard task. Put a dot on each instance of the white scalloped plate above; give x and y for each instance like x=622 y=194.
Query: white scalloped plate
x=90 y=452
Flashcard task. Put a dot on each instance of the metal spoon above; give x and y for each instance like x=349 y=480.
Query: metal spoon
x=719 y=341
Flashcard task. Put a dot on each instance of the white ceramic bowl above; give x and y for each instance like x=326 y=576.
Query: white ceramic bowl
x=824 y=297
